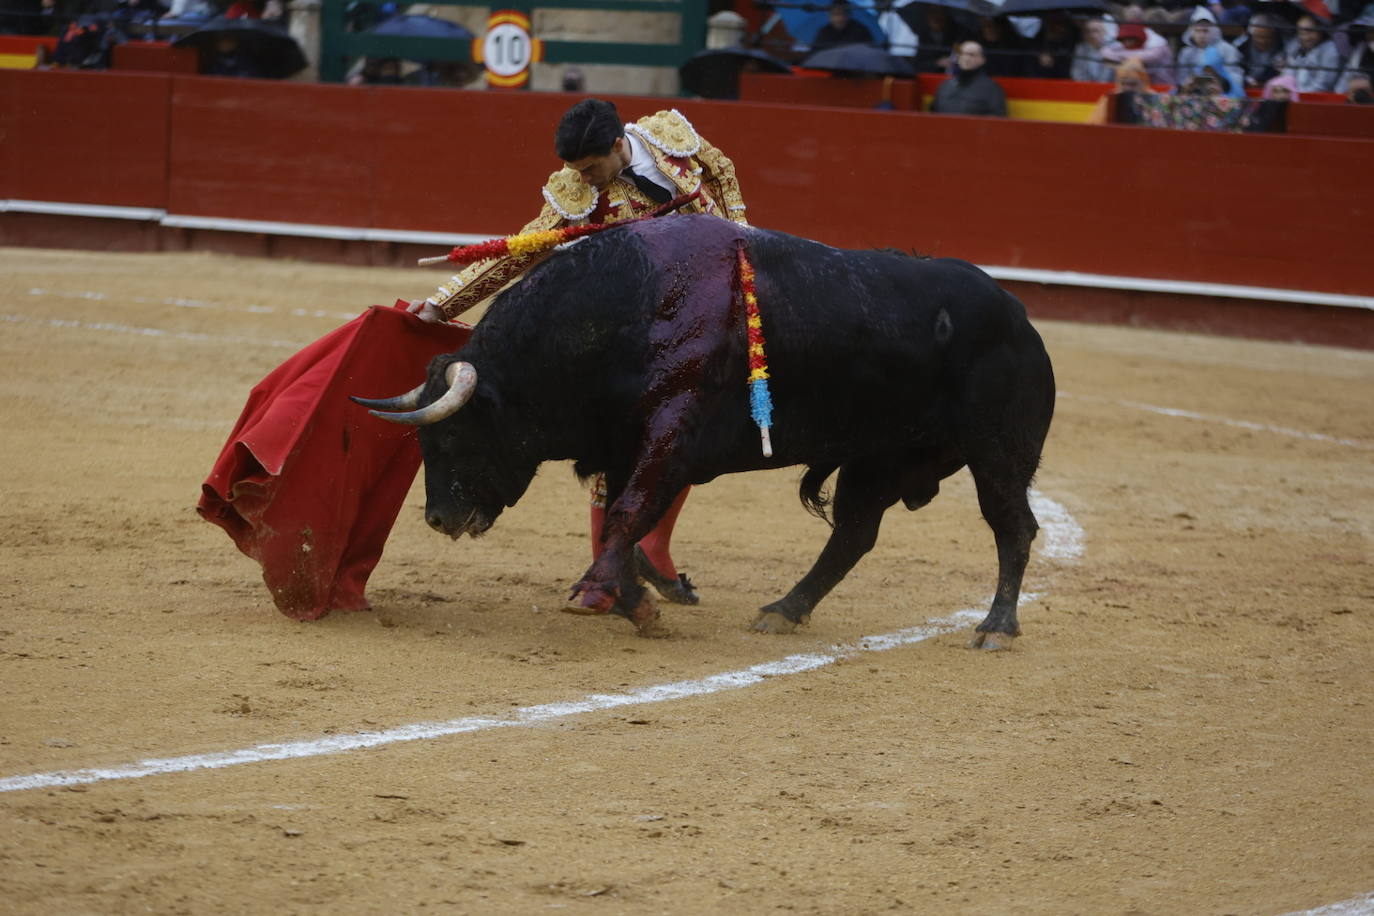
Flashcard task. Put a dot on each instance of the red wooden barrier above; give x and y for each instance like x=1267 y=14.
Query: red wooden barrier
x=86 y=137
x=266 y=150
x=1279 y=211
x=154 y=57
x=1338 y=120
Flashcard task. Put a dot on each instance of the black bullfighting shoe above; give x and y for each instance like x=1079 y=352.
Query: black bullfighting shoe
x=678 y=591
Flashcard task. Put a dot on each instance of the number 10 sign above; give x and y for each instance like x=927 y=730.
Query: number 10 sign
x=507 y=49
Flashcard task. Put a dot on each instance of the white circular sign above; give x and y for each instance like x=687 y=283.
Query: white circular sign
x=506 y=49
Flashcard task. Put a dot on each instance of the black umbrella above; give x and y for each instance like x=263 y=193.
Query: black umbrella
x=714 y=73
x=859 y=60
x=267 y=47
x=1289 y=12
x=1035 y=7
x=420 y=27
x=914 y=14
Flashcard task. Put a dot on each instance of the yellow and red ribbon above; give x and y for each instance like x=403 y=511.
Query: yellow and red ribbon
x=760 y=401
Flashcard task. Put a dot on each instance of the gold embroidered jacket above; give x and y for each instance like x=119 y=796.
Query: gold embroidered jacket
x=680 y=153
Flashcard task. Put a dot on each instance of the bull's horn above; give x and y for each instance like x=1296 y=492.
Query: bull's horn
x=408 y=401
x=462 y=382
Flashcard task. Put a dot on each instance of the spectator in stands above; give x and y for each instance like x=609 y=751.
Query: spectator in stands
x=1220 y=80
x=1271 y=114
x=1201 y=35
x=841 y=30
x=228 y=59
x=1122 y=104
x=1232 y=12
x=1312 y=58
x=1169 y=12
x=384 y=71
x=1261 y=50
x=1135 y=42
x=1362 y=57
x=1359 y=91
x=1089 y=66
x=1002 y=46
x=1281 y=89
x=939 y=34
x=901 y=37
x=191 y=10
x=1054 y=47
x=970 y=91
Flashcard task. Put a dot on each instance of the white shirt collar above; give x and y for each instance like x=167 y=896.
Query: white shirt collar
x=642 y=162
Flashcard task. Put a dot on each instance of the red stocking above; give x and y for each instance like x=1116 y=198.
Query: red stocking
x=657 y=542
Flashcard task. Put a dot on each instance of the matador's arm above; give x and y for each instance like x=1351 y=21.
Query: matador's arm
x=718 y=177
x=476 y=282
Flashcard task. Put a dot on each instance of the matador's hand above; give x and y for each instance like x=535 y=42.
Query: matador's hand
x=426 y=311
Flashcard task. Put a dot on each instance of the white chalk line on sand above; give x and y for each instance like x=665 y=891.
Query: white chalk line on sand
x=160 y=333
x=1224 y=421
x=1063 y=536
x=1362 y=905
x=179 y=302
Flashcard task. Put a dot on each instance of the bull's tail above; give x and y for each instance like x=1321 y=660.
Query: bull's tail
x=813 y=497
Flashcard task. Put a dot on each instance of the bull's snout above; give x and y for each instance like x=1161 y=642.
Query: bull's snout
x=456 y=523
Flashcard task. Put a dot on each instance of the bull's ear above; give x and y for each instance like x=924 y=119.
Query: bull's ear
x=462 y=381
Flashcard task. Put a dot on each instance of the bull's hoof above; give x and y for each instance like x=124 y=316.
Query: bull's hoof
x=773 y=622
x=992 y=642
x=590 y=602
x=647 y=621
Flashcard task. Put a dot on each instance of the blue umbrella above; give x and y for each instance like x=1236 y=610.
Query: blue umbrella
x=804 y=19
x=420 y=27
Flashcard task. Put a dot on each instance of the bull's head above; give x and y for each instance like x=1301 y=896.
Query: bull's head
x=468 y=480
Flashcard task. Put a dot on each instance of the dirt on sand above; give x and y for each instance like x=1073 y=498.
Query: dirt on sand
x=1186 y=726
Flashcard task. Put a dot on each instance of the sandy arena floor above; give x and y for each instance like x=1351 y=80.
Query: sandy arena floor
x=1185 y=728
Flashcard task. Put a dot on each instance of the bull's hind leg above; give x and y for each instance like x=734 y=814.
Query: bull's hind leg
x=864 y=490
x=1002 y=496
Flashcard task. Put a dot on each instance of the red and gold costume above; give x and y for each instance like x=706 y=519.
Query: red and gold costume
x=682 y=155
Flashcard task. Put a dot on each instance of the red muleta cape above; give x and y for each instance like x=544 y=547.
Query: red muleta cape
x=309 y=484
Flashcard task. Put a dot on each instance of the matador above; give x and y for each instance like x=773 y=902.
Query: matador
x=612 y=172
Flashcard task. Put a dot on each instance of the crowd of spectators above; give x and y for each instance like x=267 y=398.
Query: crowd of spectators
x=1220 y=48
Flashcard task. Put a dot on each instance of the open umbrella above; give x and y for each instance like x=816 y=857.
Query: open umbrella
x=859 y=60
x=804 y=19
x=268 y=47
x=914 y=13
x=1033 y=7
x=714 y=73
x=1291 y=12
x=408 y=26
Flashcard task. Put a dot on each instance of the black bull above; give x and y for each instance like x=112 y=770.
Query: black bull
x=627 y=354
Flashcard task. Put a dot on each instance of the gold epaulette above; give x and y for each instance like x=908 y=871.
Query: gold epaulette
x=669 y=131
x=569 y=196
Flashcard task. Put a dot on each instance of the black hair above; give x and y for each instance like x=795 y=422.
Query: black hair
x=589 y=128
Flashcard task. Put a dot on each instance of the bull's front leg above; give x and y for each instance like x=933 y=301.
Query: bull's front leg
x=610 y=586
x=633 y=508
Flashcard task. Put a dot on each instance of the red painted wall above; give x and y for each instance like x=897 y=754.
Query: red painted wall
x=1282 y=211
x=95 y=138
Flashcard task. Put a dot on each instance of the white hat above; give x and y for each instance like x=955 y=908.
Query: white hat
x=1202 y=14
